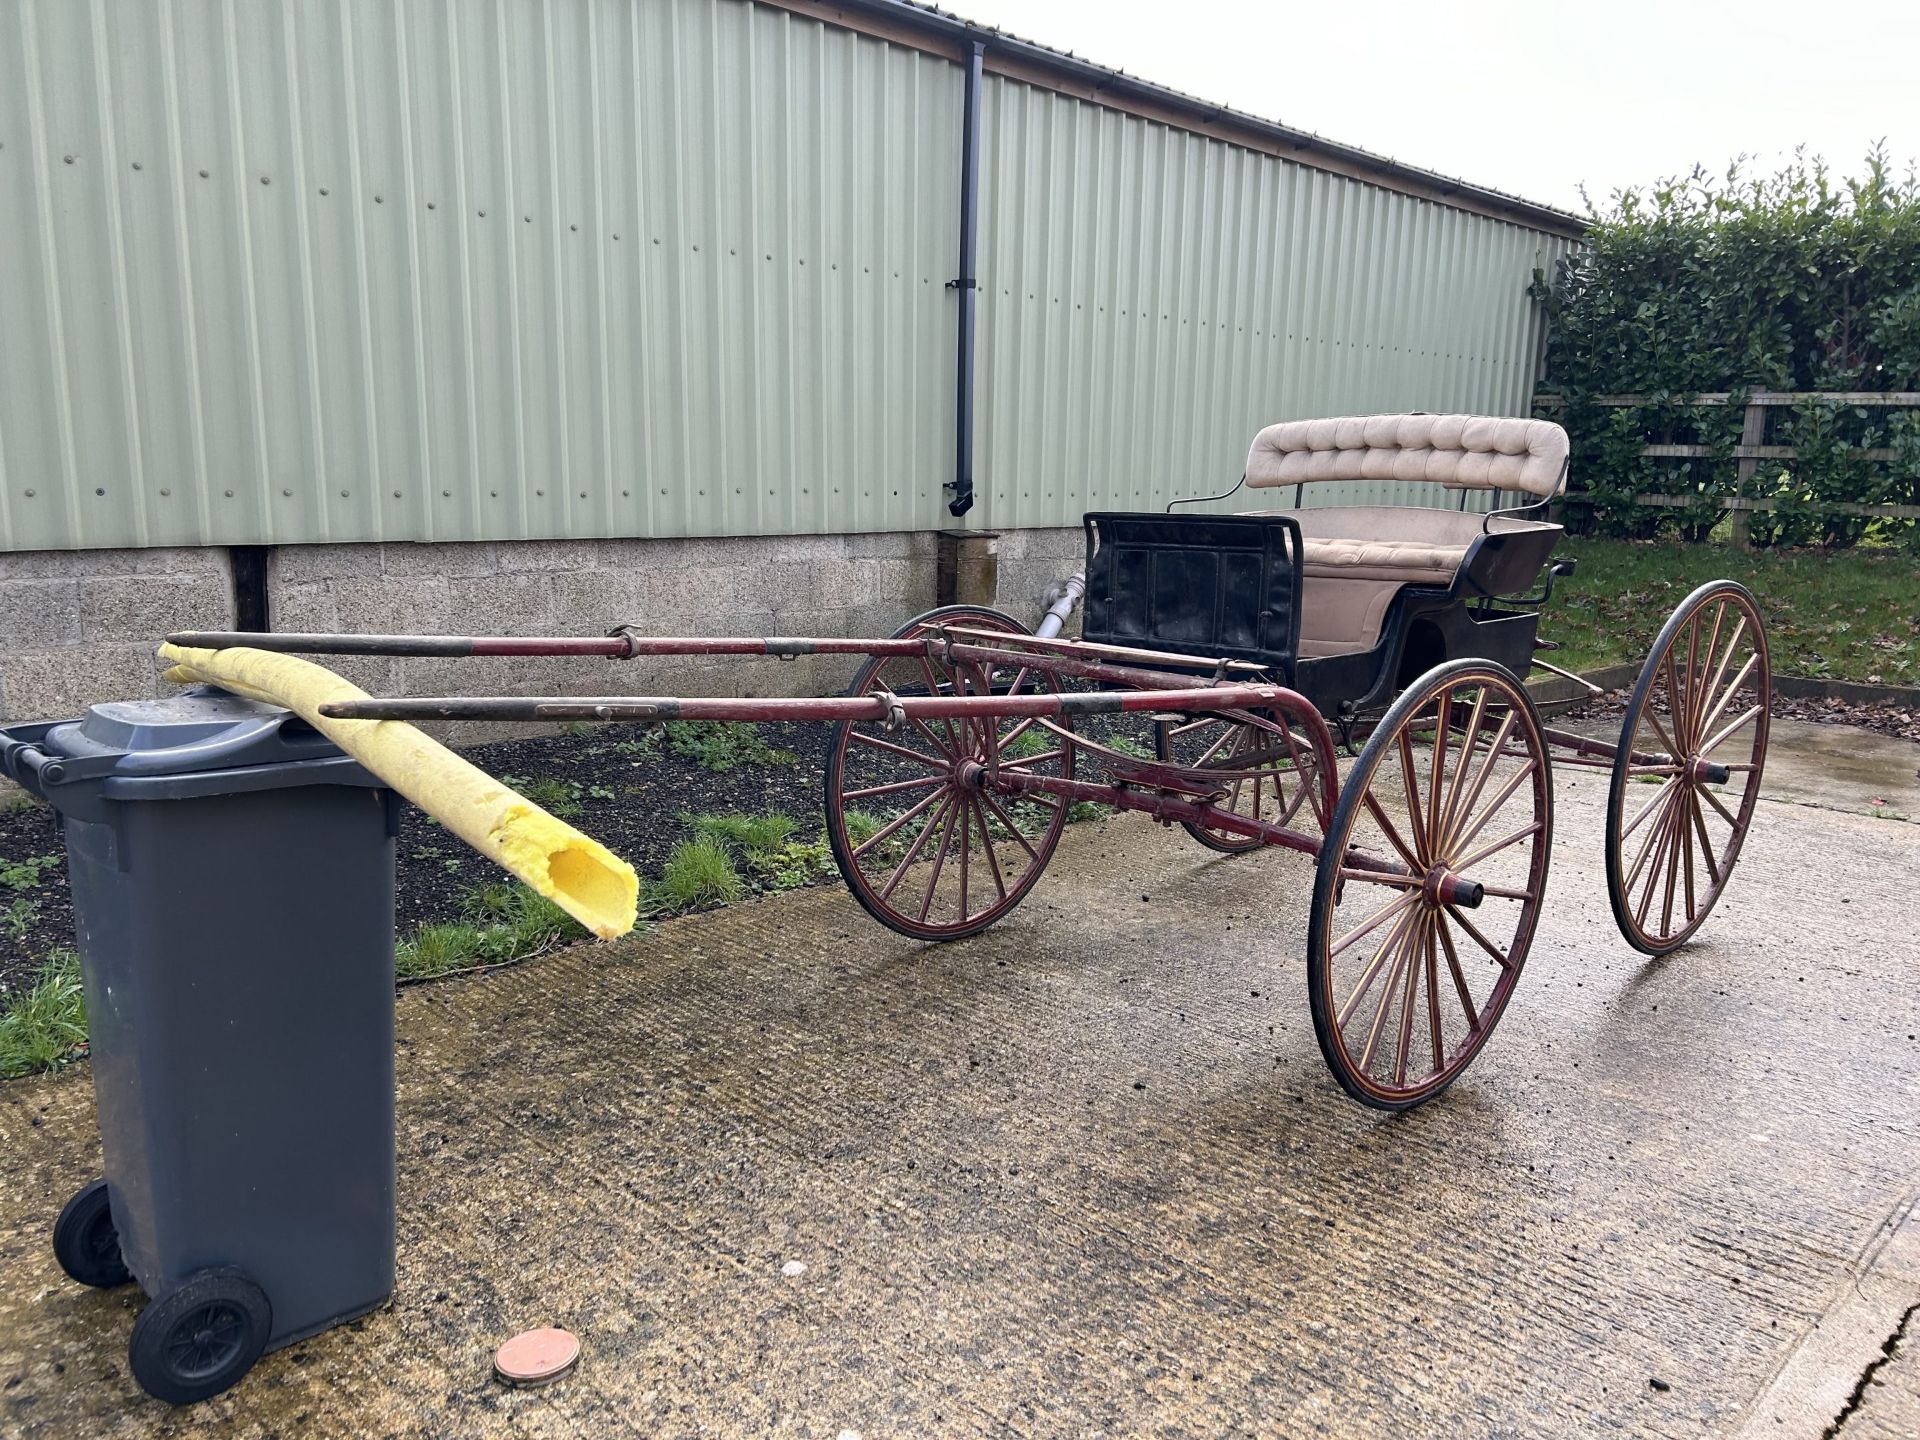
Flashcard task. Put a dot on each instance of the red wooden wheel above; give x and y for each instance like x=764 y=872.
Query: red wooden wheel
x=925 y=853
x=1429 y=887
x=1692 y=746
x=1292 y=782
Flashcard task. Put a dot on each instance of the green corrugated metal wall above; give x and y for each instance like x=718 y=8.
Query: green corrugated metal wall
x=1150 y=298
x=285 y=271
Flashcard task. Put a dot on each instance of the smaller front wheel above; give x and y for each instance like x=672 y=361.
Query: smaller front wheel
x=200 y=1337
x=86 y=1243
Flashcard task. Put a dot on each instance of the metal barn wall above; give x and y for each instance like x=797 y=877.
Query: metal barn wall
x=1150 y=298
x=346 y=270
x=297 y=271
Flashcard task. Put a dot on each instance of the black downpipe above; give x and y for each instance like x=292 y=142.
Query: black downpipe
x=967 y=285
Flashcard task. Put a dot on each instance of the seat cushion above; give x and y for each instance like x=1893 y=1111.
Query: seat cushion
x=1411 y=562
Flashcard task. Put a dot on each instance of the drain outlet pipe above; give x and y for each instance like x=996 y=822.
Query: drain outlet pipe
x=1061 y=598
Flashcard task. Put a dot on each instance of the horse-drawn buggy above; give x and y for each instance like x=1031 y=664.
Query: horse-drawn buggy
x=1246 y=642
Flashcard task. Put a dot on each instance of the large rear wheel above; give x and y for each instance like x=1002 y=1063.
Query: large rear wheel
x=1429 y=887
x=925 y=852
x=1693 y=744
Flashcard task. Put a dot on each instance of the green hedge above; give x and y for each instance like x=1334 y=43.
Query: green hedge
x=1792 y=281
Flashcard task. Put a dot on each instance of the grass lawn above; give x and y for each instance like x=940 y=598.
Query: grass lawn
x=1848 y=615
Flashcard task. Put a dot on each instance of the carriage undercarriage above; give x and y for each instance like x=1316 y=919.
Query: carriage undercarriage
x=965 y=740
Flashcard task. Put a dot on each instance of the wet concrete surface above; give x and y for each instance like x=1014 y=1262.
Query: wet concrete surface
x=1086 y=1175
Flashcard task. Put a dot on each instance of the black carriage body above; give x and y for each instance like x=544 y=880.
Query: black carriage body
x=1231 y=587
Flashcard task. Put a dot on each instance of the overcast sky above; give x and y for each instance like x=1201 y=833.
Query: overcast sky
x=1535 y=99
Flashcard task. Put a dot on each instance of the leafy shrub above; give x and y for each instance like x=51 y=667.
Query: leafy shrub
x=1793 y=281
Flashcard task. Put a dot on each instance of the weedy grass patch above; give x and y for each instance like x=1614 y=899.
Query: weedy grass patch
x=42 y=1027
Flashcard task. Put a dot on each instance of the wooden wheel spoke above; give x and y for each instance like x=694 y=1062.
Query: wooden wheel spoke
x=1433 y=995
x=1672 y=745
x=1375 y=965
x=1398 y=905
x=1663 y=842
x=943 y=762
x=1494 y=753
x=1416 y=952
x=1686 y=847
x=1713 y=644
x=1500 y=957
x=1462 y=764
x=1393 y=835
x=1403 y=951
x=941 y=850
x=1026 y=762
x=919 y=844
x=1726 y=698
x=1714 y=800
x=986 y=844
x=886 y=832
x=1727 y=734
x=1706 y=842
x=1647 y=809
x=894 y=787
x=1504 y=794
x=1459 y=976
x=1494 y=847
x=1418 y=856
x=1674 y=713
x=1653 y=837
x=1007 y=820
x=1442 y=728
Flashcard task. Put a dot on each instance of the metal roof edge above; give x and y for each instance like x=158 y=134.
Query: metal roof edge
x=903 y=21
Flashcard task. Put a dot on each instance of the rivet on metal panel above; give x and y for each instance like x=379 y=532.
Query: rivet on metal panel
x=266 y=179
x=136 y=164
x=164 y=491
x=343 y=494
x=30 y=494
x=429 y=204
x=483 y=214
x=287 y=493
x=323 y=189
x=229 y=494
x=576 y=227
x=203 y=174
x=98 y=490
x=67 y=158
x=379 y=199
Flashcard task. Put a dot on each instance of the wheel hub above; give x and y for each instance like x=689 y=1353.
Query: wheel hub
x=1443 y=887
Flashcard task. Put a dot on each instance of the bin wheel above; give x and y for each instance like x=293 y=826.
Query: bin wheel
x=86 y=1243
x=199 y=1337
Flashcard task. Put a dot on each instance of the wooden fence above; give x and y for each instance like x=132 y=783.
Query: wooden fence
x=1748 y=454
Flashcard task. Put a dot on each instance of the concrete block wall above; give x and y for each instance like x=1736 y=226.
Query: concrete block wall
x=80 y=626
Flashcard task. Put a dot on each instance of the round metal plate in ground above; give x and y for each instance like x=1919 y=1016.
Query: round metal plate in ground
x=536 y=1357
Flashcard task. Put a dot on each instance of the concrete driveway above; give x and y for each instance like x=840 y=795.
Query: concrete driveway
x=1086 y=1175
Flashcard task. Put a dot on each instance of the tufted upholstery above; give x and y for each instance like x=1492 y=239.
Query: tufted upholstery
x=1461 y=452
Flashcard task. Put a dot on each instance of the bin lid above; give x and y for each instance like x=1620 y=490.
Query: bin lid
x=200 y=729
x=203 y=741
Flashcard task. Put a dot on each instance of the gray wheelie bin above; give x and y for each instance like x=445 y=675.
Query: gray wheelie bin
x=232 y=879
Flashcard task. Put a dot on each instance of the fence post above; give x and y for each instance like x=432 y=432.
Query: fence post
x=1753 y=431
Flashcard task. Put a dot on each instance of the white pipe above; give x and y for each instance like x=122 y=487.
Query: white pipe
x=1060 y=599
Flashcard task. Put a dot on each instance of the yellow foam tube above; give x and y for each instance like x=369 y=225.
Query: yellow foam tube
x=576 y=872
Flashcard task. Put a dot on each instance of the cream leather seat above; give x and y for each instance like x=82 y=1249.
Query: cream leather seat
x=1357 y=558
